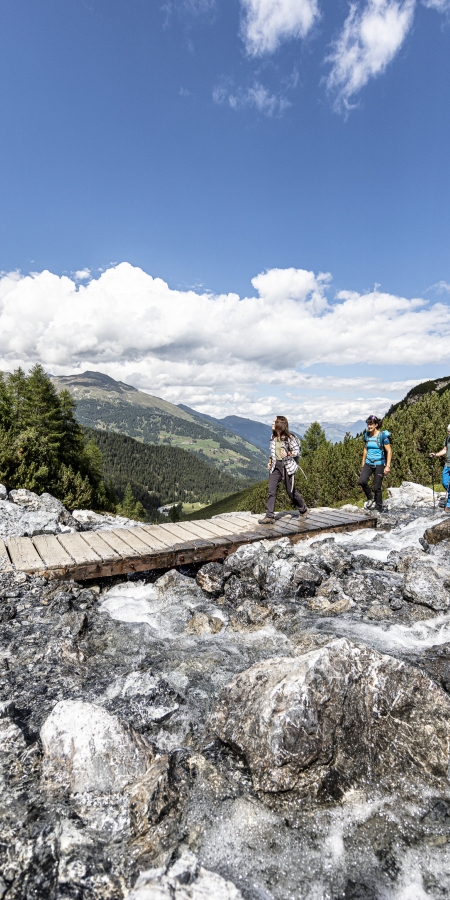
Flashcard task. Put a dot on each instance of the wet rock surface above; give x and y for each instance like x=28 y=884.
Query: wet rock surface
x=115 y=782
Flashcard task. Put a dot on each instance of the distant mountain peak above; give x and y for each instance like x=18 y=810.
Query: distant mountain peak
x=98 y=380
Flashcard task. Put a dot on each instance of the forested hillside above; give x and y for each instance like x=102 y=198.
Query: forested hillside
x=105 y=404
x=158 y=475
x=330 y=471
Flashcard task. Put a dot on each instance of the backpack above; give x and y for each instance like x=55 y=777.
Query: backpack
x=380 y=436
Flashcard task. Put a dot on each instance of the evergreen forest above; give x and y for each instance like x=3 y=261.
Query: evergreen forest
x=42 y=446
x=158 y=474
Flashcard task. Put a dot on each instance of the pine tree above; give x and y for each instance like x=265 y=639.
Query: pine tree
x=313 y=439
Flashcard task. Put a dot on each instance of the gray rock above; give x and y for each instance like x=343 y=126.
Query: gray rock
x=342 y=710
x=280 y=582
x=307 y=579
x=92 y=521
x=249 y=561
x=87 y=749
x=29 y=524
x=11 y=737
x=186 y=879
x=330 y=557
x=439 y=532
x=25 y=499
x=423 y=584
x=211 y=578
x=3 y=492
x=237 y=590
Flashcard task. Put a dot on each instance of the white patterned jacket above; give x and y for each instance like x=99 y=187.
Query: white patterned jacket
x=292 y=447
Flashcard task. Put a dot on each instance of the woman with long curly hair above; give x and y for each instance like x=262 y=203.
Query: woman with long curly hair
x=282 y=465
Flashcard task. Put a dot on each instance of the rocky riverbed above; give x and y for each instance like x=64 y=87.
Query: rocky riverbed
x=273 y=728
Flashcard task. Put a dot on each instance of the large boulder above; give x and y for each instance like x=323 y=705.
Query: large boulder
x=342 y=712
x=211 y=578
x=87 y=749
x=410 y=494
x=186 y=879
x=249 y=561
x=439 y=532
x=423 y=584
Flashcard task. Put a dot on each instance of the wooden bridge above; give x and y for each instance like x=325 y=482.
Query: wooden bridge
x=95 y=554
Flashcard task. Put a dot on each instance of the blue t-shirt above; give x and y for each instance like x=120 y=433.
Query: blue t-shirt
x=375 y=453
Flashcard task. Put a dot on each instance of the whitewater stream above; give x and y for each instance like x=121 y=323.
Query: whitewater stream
x=155 y=655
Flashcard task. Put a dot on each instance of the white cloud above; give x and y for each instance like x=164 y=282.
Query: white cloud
x=266 y=23
x=441 y=6
x=82 y=274
x=441 y=287
x=219 y=352
x=256 y=97
x=370 y=38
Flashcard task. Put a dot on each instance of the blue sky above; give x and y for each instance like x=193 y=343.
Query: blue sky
x=208 y=141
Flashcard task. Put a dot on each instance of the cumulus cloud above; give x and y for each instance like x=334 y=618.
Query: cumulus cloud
x=370 y=38
x=257 y=97
x=82 y=274
x=221 y=353
x=267 y=23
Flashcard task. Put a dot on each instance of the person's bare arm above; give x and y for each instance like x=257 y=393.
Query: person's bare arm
x=364 y=455
x=440 y=453
x=387 y=467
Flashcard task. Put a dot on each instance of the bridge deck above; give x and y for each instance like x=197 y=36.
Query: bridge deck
x=95 y=554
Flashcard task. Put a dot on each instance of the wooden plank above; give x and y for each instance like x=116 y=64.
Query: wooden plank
x=51 y=551
x=95 y=542
x=149 y=540
x=79 y=549
x=114 y=540
x=24 y=555
x=205 y=531
x=215 y=528
x=5 y=562
x=133 y=542
x=235 y=524
x=160 y=533
x=179 y=533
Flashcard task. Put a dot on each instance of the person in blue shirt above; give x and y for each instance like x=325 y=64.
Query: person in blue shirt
x=376 y=461
x=446 y=470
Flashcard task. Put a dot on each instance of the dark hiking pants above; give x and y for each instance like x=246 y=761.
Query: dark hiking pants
x=377 y=472
x=279 y=474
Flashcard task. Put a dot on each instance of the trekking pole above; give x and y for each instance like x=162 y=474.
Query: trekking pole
x=305 y=476
x=432 y=482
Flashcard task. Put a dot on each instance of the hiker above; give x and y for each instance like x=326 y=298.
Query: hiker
x=282 y=465
x=446 y=470
x=376 y=461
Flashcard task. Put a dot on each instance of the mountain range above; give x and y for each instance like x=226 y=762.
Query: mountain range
x=233 y=444
x=105 y=404
x=258 y=433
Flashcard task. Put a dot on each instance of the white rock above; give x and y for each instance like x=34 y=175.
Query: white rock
x=11 y=737
x=410 y=494
x=87 y=749
x=185 y=880
x=92 y=521
x=27 y=499
x=3 y=492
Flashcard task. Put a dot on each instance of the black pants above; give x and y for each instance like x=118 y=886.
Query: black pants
x=279 y=474
x=378 y=472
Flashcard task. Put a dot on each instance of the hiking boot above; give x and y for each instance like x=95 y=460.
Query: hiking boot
x=303 y=512
x=369 y=504
x=267 y=520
